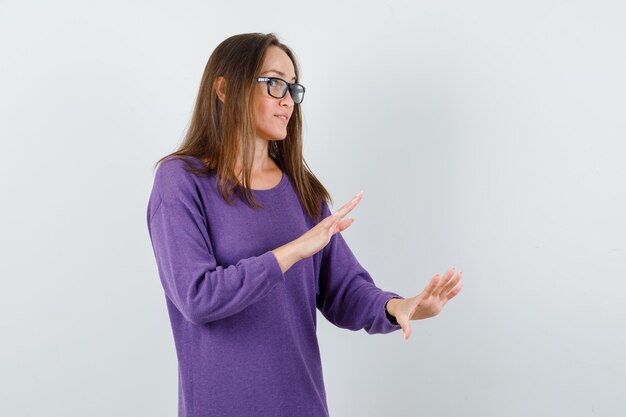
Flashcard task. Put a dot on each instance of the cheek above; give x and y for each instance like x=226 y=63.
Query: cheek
x=264 y=113
x=260 y=108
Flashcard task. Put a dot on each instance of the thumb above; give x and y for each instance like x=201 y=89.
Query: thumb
x=406 y=330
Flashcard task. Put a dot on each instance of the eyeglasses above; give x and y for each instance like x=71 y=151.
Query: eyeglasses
x=277 y=87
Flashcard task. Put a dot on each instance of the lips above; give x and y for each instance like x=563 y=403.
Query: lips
x=283 y=118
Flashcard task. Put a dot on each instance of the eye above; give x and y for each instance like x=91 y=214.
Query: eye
x=272 y=83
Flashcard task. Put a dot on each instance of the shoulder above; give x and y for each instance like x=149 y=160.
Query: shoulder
x=173 y=178
x=177 y=163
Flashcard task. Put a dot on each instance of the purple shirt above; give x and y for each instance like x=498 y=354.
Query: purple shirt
x=244 y=331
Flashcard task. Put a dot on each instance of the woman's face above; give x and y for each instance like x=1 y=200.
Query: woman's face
x=268 y=109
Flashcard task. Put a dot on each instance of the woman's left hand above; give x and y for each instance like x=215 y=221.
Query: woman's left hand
x=428 y=303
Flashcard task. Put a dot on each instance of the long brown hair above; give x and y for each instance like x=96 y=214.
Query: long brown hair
x=218 y=130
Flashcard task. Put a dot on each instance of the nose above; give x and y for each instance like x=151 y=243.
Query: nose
x=287 y=100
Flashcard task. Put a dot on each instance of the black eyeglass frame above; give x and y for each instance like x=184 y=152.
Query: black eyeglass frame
x=290 y=86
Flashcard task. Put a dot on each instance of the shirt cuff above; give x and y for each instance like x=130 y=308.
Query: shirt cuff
x=391 y=318
x=272 y=267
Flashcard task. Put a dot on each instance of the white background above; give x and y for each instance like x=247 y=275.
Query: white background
x=486 y=135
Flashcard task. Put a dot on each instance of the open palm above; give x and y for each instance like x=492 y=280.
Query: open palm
x=429 y=302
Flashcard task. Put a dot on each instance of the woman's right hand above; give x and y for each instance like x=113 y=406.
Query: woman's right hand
x=317 y=237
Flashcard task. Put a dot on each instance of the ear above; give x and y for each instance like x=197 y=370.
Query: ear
x=220 y=88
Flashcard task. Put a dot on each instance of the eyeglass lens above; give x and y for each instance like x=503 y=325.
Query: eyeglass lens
x=278 y=89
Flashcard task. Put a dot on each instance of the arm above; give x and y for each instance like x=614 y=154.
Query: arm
x=348 y=296
x=202 y=290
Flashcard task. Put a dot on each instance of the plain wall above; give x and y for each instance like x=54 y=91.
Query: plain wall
x=486 y=135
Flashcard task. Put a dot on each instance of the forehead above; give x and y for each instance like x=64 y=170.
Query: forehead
x=277 y=61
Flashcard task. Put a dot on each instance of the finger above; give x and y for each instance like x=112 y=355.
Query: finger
x=454 y=292
x=333 y=227
x=431 y=286
x=444 y=281
x=333 y=217
x=350 y=205
x=451 y=284
x=406 y=331
x=343 y=225
x=333 y=221
x=346 y=208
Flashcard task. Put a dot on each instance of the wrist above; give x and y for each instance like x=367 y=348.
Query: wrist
x=286 y=255
x=296 y=250
x=391 y=306
x=390 y=309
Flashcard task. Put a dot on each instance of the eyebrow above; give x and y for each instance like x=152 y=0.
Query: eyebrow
x=280 y=73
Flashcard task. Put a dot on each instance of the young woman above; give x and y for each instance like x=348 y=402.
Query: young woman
x=247 y=248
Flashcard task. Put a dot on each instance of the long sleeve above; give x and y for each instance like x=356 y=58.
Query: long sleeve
x=202 y=290
x=348 y=296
